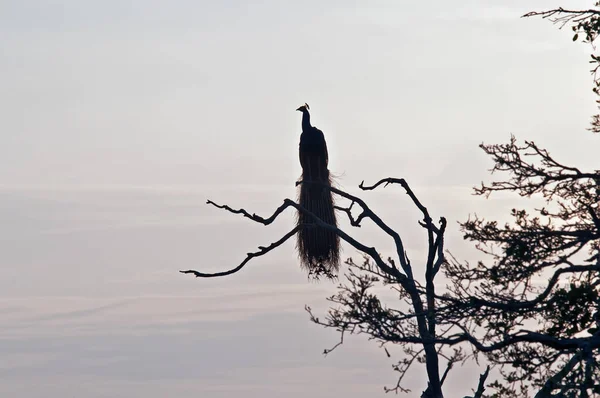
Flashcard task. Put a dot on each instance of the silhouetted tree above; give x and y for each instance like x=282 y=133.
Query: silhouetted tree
x=425 y=333
x=532 y=309
x=536 y=302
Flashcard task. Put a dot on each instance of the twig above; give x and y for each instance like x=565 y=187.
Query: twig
x=339 y=343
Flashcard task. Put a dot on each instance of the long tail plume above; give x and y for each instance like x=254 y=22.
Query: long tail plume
x=318 y=248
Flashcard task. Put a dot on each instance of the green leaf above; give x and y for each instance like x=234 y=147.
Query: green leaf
x=575 y=37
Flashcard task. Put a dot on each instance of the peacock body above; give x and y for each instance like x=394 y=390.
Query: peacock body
x=318 y=247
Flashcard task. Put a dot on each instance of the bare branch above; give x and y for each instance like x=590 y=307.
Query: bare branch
x=408 y=190
x=253 y=217
x=348 y=210
x=261 y=252
x=371 y=251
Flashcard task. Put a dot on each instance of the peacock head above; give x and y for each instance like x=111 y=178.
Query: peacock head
x=304 y=108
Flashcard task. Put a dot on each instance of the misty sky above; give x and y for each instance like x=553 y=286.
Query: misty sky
x=118 y=119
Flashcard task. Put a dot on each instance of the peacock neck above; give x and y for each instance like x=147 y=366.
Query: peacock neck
x=306 y=121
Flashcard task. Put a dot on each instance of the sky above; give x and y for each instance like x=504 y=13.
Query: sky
x=118 y=119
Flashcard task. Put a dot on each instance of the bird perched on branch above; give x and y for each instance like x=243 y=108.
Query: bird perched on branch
x=318 y=247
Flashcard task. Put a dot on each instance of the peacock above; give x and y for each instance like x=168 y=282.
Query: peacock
x=318 y=248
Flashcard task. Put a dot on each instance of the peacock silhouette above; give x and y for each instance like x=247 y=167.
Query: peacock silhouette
x=318 y=248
